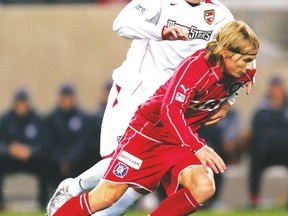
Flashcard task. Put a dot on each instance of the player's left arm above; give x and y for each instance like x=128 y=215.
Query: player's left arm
x=138 y=20
x=219 y=114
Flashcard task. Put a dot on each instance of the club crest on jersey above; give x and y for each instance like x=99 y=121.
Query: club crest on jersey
x=120 y=170
x=209 y=16
x=180 y=97
x=235 y=87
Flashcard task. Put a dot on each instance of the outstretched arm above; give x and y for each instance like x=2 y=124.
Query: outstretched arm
x=138 y=20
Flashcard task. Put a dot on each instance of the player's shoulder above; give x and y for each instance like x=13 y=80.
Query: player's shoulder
x=145 y=6
x=197 y=58
x=219 y=8
x=196 y=64
x=216 y=4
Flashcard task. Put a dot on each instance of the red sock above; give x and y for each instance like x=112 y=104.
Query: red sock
x=181 y=203
x=76 y=206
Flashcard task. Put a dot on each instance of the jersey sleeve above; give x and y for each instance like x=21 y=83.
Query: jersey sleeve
x=180 y=91
x=252 y=71
x=138 y=20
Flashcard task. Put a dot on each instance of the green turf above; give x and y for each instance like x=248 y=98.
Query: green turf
x=200 y=213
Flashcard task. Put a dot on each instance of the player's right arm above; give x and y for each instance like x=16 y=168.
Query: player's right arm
x=180 y=90
x=138 y=20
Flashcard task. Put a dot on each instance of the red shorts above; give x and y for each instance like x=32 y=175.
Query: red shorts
x=141 y=162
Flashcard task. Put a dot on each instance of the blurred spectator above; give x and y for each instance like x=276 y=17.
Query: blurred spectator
x=268 y=144
x=67 y=135
x=222 y=137
x=21 y=143
x=103 y=102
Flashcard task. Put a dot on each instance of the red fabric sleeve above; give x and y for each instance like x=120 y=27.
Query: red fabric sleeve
x=179 y=93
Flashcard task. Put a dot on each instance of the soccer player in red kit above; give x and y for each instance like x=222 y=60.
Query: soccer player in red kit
x=161 y=143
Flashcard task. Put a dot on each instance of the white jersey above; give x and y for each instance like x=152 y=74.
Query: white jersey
x=151 y=59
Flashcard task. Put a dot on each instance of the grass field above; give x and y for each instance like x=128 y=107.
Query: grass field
x=200 y=213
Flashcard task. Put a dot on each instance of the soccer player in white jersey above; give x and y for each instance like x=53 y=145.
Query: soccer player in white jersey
x=163 y=32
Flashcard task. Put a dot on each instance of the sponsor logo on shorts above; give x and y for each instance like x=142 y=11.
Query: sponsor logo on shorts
x=130 y=160
x=180 y=97
x=120 y=170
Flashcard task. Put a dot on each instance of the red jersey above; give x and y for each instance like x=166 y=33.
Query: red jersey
x=179 y=107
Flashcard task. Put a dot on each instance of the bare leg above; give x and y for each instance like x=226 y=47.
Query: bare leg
x=198 y=187
x=101 y=197
x=105 y=194
x=200 y=184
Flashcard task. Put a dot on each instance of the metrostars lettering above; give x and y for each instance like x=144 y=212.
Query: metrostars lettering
x=194 y=33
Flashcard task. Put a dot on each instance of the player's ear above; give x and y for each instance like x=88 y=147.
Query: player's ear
x=224 y=53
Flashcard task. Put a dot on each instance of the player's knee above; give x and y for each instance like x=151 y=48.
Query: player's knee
x=205 y=186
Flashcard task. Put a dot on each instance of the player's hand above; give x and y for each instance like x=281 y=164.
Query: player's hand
x=249 y=86
x=209 y=158
x=219 y=114
x=175 y=33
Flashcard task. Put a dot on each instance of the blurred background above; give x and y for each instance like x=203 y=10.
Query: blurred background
x=56 y=61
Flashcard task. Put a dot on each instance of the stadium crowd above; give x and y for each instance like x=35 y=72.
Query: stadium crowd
x=58 y=145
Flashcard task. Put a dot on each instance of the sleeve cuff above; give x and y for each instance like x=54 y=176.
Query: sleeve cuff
x=200 y=149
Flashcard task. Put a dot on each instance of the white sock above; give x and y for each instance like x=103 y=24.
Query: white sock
x=122 y=205
x=88 y=179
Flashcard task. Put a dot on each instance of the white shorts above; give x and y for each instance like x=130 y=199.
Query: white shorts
x=118 y=115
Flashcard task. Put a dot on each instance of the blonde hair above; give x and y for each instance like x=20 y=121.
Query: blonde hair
x=237 y=37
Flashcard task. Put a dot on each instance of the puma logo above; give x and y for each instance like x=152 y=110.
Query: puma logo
x=184 y=89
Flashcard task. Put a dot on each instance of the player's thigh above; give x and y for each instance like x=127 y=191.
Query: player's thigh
x=135 y=164
x=117 y=120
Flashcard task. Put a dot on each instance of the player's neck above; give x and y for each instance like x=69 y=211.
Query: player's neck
x=194 y=3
